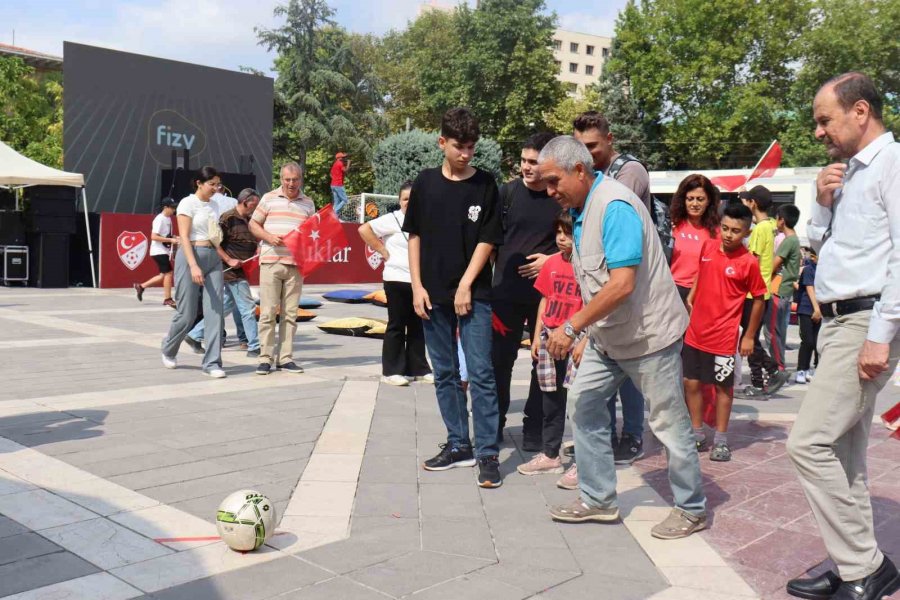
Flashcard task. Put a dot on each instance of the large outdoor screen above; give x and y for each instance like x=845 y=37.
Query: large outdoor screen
x=125 y=113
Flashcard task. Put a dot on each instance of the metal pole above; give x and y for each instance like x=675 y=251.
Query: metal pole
x=87 y=228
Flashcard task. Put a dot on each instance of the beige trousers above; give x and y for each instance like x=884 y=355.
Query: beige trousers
x=828 y=445
x=279 y=286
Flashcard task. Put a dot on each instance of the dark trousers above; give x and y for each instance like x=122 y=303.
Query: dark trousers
x=809 y=337
x=403 y=350
x=760 y=361
x=554 y=409
x=504 y=351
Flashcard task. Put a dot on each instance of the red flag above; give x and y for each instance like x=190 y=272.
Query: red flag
x=729 y=183
x=768 y=164
x=891 y=420
x=497 y=325
x=316 y=240
x=709 y=404
x=250 y=267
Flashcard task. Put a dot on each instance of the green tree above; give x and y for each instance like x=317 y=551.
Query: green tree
x=714 y=75
x=401 y=156
x=559 y=118
x=327 y=95
x=31 y=112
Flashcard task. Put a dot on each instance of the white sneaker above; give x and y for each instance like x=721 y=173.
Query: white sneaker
x=428 y=378
x=800 y=377
x=215 y=373
x=169 y=363
x=394 y=380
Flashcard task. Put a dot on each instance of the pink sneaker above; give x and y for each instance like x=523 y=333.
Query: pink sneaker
x=540 y=464
x=569 y=481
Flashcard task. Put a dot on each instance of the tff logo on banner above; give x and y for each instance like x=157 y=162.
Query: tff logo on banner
x=131 y=246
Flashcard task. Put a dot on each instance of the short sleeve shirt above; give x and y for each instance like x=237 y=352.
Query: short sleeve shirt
x=789 y=251
x=557 y=284
x=388 y=228
x=162 y=226
x=723 y=281
x=337 y=173
x=686 y=253
x=279 y=216
x=451 y=218
x=762 y=244
x=200 y=213
x=807 y=278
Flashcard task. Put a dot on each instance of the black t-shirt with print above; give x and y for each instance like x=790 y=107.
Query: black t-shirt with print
x=451 y=218
x=529 y=230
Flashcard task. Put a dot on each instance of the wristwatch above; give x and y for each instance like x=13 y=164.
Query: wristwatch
x=569 y=330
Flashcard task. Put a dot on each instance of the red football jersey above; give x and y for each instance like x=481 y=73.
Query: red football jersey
x=723 y=282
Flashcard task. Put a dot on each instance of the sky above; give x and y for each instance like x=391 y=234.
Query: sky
x=219 y=33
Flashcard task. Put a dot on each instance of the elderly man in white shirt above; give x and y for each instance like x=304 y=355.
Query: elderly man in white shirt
x=856 y=222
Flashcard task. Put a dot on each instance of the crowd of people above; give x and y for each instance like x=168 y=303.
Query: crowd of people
x=573 y=253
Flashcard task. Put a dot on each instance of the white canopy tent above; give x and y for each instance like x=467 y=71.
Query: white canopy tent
x=17 y=171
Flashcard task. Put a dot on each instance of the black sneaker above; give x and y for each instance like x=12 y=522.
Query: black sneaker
x=450 y=457
x=290 y=367
x=629 y=450
x=263 y=369
x=776 y=381
x=489 y=472
x=139 y=290
x=252 y=353
x=752 y=392
x=196 y=346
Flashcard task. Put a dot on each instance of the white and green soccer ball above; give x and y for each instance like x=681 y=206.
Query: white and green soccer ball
x=245 y=520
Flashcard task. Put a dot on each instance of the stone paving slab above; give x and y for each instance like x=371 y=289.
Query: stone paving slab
x=85 y=387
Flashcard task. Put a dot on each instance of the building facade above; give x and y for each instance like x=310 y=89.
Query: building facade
x=580 y=58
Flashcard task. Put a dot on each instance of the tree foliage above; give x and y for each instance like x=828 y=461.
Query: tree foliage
x=31 y=112
x=403 y=155
x=711 y=84
x=496 y=59
x=326 y=94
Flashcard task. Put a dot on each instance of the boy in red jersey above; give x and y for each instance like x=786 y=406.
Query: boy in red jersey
x=728 y=272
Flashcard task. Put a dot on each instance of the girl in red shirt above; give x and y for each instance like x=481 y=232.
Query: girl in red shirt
x=695 y=219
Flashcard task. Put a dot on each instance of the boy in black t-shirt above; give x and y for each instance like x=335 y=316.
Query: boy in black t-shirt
x=453 y=221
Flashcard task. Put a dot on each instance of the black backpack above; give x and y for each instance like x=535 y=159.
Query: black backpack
x=659 y=212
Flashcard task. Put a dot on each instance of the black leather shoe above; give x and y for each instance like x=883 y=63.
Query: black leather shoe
x=822 y=587
x=883 y=582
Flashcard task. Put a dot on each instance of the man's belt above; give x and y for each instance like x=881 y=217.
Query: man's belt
x=847 y=307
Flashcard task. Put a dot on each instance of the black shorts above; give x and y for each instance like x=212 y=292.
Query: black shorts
x=706 y=367
x=163 y=262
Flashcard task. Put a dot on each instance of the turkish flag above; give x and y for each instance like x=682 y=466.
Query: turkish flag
x=768 y=164
x=318 y=239
x=891 y=420
x=729 y=183
x=251 y=267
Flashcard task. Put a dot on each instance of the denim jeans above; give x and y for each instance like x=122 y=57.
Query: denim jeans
x=658 y=377
x=632 y=410
x=475 y=335
x=338 y=198
x=239 y=302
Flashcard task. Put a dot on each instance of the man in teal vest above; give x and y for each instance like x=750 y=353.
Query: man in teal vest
x=635 y=321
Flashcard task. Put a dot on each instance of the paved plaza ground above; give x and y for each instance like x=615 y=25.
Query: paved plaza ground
x=111 y=469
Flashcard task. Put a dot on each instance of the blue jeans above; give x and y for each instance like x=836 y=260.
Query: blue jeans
x=658 y=377
x=475 y=334
x=338 y=198
x=632 y=410
x=240 y=303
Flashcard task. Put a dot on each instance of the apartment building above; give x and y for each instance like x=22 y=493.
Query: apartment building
x=580 y=58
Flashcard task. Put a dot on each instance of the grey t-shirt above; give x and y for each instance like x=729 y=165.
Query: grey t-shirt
x=635 y=177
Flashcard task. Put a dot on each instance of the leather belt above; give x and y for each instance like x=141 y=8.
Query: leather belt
x=202 y=243
x=848 y=307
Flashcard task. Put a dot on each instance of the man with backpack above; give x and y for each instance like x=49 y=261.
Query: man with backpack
x=529 y=237
x=592 y=129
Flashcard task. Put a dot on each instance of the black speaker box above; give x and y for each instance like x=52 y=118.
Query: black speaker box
x=49 y=260
x=12 y=228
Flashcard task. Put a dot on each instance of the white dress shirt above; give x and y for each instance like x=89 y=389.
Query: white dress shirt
x=860 y=236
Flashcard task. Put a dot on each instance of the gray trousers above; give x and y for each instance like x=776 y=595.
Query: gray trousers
x=658 y=377
x=828 y=445
x=187 y=294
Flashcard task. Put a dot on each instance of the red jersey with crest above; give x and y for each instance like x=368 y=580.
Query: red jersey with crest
x=723 y=282
x=556 y=282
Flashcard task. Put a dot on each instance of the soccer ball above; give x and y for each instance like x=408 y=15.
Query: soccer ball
x=245 y=520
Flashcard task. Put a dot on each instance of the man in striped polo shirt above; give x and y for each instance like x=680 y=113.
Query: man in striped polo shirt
x=283 y=209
